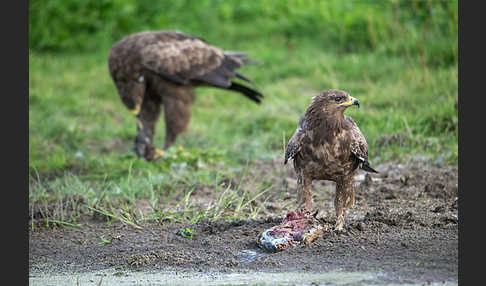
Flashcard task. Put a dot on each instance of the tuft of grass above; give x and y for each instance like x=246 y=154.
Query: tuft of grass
x=125 y=216
x=119 y=201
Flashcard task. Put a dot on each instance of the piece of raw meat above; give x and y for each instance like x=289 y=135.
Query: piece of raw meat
x=298 y=227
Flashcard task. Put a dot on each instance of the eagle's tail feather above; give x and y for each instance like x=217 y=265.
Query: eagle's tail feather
x=366 y=166
x=250 y=93
x=240 y=76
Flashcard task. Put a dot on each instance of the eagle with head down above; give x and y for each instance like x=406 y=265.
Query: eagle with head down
x=161 y=69
x=328 y=145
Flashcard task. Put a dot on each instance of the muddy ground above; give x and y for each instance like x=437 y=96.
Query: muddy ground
x=404 y=226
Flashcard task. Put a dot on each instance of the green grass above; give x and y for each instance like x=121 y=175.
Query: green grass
x=81 y=136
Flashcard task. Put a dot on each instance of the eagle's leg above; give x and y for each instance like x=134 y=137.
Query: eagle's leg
x=177 y=112
x=304 y=193
x=344 y=200
x=146 y=121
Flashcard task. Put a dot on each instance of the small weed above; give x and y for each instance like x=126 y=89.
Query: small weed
x=104 y=241
x=186 y=233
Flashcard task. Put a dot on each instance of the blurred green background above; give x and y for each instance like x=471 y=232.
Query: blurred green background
x=399 y=58
x=395 y=27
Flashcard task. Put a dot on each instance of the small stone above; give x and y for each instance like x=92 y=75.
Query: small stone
x=439 y=209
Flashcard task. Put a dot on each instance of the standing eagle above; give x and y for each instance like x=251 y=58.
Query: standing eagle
x=328 y=145
x=157 y=68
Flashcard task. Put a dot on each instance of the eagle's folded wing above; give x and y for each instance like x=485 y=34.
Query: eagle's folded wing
x=295 y=142
x=359 y=147
x=183 y=61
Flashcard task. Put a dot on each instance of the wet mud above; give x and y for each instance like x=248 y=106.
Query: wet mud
x=404 y=226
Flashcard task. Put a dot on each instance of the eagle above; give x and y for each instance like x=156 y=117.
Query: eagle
x=160 y=69
x=328 y=145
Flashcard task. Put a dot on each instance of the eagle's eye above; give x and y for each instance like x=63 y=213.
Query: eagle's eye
x=338 y=98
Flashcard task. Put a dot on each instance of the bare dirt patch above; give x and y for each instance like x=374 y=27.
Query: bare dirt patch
x=404 y=224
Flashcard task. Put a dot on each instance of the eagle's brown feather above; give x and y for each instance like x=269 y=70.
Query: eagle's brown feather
x=185 y=60
x=163 y=67
x=327 y=145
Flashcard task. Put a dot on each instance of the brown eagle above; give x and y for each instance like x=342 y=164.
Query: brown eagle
x=162 y=68
x=328 y=145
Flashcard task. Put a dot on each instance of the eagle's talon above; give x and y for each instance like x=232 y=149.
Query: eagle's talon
x=338 y=228
x=158 y=153
x=152 y=153
x=304 y=209
x=339 y=224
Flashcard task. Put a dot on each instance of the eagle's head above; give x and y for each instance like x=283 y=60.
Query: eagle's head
x=333 y=101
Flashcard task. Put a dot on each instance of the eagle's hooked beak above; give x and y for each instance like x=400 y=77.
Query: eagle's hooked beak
x=351 y=101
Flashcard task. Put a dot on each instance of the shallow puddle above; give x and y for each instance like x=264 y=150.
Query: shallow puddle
x=113 y=277
x=249 y=255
